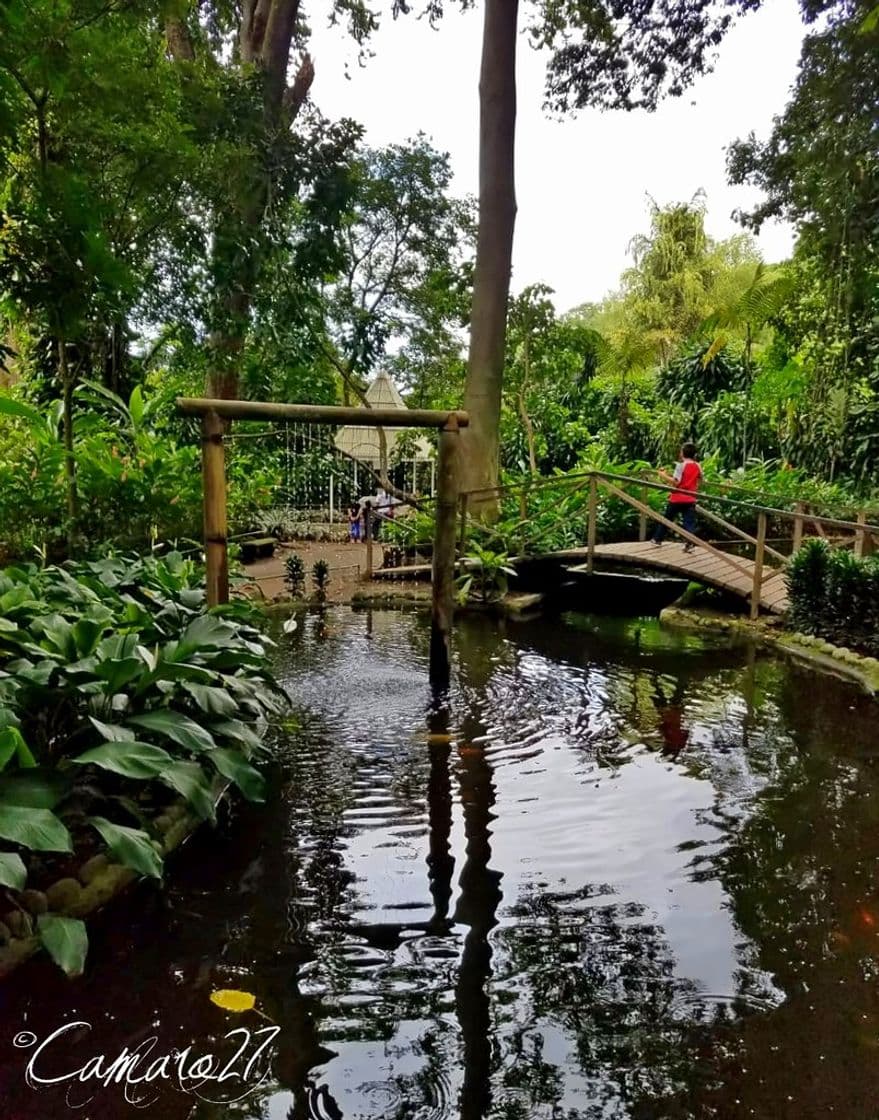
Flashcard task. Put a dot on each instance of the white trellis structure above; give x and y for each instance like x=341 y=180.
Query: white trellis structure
x=362 y=443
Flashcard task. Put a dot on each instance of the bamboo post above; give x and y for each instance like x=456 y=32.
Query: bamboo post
x=367 y=529
x=798 y=525
x=443 y=571
x=642 y=517
x=213 y=467
x=758 y=564
x=331 y=497
x=861 y=536
x=593 y=517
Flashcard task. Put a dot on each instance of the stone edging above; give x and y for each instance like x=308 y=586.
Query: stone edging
x=98 y=881
x=805 y=647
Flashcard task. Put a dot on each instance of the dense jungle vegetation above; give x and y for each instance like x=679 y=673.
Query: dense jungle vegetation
x=170 y=224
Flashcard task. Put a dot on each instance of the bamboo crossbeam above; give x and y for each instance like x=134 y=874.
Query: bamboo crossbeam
x=322 y=414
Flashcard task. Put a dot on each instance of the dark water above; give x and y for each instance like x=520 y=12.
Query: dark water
x=624 y=873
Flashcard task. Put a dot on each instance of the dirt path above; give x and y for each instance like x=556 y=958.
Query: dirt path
x=347 y=563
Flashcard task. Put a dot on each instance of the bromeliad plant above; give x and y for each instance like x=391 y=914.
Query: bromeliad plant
x=485 y=575
x=118 y=692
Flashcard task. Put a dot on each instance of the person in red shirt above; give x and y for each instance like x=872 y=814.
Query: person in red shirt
x=682 y=500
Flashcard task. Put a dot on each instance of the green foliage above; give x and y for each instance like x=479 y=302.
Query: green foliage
x=835 y=595
x=320 y=574
x=294 y=574
x=485 y=575
x=121 y=688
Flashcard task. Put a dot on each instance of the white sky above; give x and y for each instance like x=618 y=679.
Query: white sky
x=582 y=181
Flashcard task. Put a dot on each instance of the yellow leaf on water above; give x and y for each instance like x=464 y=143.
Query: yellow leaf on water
x=230 y=1000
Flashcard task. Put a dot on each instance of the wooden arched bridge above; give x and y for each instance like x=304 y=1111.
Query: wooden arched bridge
x=749 y=565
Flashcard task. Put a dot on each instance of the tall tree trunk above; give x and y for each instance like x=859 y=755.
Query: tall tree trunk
x=494 y=250
x=265 y=40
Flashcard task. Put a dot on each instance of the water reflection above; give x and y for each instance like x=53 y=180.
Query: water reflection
x=614 y=873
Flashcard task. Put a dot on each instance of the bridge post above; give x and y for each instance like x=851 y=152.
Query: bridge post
x=759 y=554
x=863 y=541
x=798 y=525
x=593 y=517
x=642 y=517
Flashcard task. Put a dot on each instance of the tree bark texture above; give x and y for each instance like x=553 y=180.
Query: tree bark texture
x=265 y=39
x=494 y=250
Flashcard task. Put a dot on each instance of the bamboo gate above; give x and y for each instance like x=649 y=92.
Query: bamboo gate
x=215 y=416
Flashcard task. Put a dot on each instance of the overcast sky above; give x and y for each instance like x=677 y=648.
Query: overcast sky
x=582 y=182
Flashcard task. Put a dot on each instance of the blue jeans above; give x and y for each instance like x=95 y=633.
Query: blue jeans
x=686 y=511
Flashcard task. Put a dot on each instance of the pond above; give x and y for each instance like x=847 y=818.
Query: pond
x=621 y=873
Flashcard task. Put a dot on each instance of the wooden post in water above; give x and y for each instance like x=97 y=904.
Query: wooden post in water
x=798 y=526
x=593 y=517
x=213 y=466
x=443 y=574
x=367 y=528
x=759 y=553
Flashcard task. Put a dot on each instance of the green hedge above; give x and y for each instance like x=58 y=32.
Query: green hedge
x=835 y=596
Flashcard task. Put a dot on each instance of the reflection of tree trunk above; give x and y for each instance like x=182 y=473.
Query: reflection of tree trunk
x=67 y=386
x=477 y=909
x=494 y=250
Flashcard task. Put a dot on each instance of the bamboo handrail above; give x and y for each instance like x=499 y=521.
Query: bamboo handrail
x=771 y=511
x=740 y=533
x=691 y=537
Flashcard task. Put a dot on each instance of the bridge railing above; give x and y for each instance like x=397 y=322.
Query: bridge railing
x=860 y=534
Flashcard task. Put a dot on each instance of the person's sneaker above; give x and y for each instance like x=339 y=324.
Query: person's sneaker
x=657 y=544
x=688 y=547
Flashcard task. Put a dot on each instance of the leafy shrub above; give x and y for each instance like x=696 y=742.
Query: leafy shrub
x=117 y=694
x=294 y=574
x=320 y=574
x=835 y=595
x=485 y=575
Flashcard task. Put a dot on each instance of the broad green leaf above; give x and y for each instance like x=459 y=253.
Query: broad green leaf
x=11 y=407
x=12 y=745
x=238 y=732
x=86 y=633
x=135 y=406
x=189 y=780
x=13 y=872
x=37 y=829
x=232 y=764
x=119 y=673
x=36 y=789
x=130 y=846
x=176 y=727
x=214 y=701
x=127 y=757
x=113 y=732
x=65 y=940
x=203 y=633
